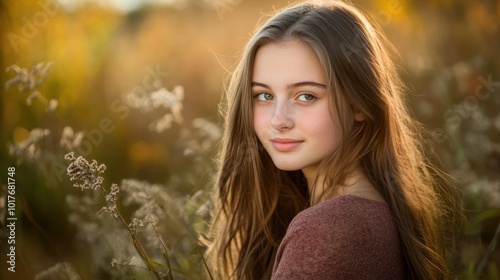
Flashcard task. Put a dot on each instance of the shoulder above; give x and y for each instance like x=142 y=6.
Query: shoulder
x=344 y=221
x=347 y=237
x=341 y=213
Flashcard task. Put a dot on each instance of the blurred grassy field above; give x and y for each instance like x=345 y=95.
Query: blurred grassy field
x=448 y=56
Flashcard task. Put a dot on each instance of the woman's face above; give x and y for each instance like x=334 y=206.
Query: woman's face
x=291 y=106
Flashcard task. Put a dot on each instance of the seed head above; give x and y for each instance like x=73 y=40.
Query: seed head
x=87 y=173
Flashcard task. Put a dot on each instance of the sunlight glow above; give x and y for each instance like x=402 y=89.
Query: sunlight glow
x=120 y=5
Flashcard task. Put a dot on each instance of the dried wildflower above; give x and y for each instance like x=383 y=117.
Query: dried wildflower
x=29 y=149
x=161 y=98
x=111 y=209
x=138 y=192
x=162 y=124
x=115 y=262
x=151 y=219
x=112 y=196
x=134 y=224
x=52 y=106
x=489 y=189
x=87 y=173
x=203 y=139
x=150 y=208
x=29 y=80
x=207 y=129
x=131 y=262
x=175 y=103
x=70 y=139
x=34 y=94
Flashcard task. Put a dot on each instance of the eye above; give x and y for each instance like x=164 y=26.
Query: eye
x=306 y=97
x=264 y=96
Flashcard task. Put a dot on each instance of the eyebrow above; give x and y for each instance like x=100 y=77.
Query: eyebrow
x=295 y=85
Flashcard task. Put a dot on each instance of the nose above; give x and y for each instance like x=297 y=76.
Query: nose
x=282 y=119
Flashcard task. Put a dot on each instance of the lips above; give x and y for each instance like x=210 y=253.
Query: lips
x=285 y=144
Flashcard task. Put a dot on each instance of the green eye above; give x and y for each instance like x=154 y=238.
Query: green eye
x=306 y=97
x=264 y=96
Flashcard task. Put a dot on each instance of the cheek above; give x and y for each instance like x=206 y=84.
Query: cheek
x=325 y=129
x=259 y=121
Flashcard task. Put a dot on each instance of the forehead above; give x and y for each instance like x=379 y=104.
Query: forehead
x=287 y=61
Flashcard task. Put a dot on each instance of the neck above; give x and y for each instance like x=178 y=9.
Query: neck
x=356 y=183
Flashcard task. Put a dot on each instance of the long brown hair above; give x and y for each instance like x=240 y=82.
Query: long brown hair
x=255 y=201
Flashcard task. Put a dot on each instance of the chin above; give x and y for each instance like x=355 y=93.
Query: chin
x=287 y=166
x=288 y=169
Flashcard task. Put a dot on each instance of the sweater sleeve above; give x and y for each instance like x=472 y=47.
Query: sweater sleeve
x=339 y=243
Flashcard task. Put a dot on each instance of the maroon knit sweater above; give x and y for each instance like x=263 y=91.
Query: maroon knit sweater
x=347 y=237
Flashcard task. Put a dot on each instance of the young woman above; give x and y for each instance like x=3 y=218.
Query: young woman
x=322 y=169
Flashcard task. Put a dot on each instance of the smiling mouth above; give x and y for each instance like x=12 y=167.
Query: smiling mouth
x=285 y=145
